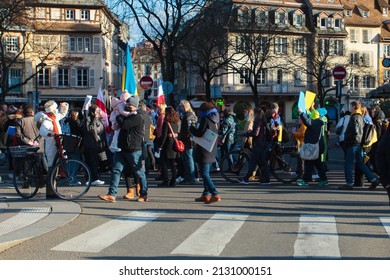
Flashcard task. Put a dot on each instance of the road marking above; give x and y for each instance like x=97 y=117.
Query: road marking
x=317 y=238
x=386 y=224
x=211 y=238
x=24 y=218
x=101 y=237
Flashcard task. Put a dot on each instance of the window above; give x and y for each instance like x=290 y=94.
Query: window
x=298 y=78
x=348 y=13
x=355 y=82
x=69 y=14
x=338 y=47
x=263 y=44
x=262 y=77
x=261 y=17
x=44 y=77
x=298 y=20
x=244 y=76
x=85 y=15
x=63 y=77
x=385 y=11
x=367 y=82
x=354 y=59
x=15 y=78
x=366 y=36
x=299 y=46
x=281 y=45
x=386 y=50
x=365 y=14
x=12 y=44
x=337 y=23
x=281 y=18
x=387 y=76
x=241 y=44
x=80 y=44
x=243 y=15
x=353 y=35
x=365 y=59
x=325 y=78
x=82 y=77
x=323 y=47
x=323 y=22
x=279 y=77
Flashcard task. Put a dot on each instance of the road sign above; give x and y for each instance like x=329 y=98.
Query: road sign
x=386 y=62
x=339 y=72
x=146 y=82
x=167 y=87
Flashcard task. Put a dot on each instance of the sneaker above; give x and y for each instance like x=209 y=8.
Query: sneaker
x=179 y=179
x=346 y=187
x=214 y=198
x=374 y=184
x=197 y=180
x=73 y=184
x=97 y=182
x=315 y=177
x=142 y=198
x=107 y=197
x=242 y=182
x=265 y=183
x=203 y=198
x=114 y=149
x=323 y=183
x=302 y=183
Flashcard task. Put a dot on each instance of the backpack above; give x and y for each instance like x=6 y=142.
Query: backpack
x=369 y=135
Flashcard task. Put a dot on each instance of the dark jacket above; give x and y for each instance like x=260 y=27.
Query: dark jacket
x=28 y=131
x=259 y=133
x=93 y=133
x=166 y=140
x=147 y=123
x=383 y=159
x=313 y=131
x=131 y=135
x=188 y=119
x=354 y=132
x=208 y=122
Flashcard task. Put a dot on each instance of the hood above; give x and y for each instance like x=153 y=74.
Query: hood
x=214 y=117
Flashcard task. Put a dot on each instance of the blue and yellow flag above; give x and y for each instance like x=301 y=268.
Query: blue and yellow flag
x=128 y=77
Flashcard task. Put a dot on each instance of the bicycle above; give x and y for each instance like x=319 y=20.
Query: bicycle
x=284 y=162
x=69 y=178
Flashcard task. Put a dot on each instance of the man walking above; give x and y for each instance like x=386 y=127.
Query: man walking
x=130 y=141
x=353 y=148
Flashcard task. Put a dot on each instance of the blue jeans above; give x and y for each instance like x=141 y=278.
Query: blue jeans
x=134 y=159
x=188 y=164
x=209 y=187
x=351 y=153
x=259 y=156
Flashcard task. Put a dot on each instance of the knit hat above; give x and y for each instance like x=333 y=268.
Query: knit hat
x=314 y=115
x=125 y=95
x=50 y=106
x=322 y=112
x=133 y=100
x=114 y=102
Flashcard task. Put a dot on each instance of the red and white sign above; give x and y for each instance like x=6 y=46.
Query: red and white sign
x=339 y=72
x=146 y=82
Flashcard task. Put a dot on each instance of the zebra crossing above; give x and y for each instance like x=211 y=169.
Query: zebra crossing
x=316 y=236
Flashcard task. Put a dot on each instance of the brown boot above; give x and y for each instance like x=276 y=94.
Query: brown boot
x=130 y=194
x=203 y=198
x=214 y=198
x=138 y=189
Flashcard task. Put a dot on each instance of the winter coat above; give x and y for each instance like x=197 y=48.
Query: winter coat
x=313 y=131
x=188 y=119
x=46 y=129
x=93 y=133
x=228 y=128
x=259 y=134
x=210 y=121
x=166 y=143
x=131 y=135
x=354 y=133
x=28 y=131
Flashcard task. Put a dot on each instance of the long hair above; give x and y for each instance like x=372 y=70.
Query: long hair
x=187 y=106
x=171 y=115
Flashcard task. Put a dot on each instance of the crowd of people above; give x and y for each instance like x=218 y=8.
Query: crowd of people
x=143 y=139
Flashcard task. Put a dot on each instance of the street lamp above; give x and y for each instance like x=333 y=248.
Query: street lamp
x=41 y=65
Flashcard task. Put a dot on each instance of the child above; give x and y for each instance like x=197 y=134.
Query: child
x=118 y=108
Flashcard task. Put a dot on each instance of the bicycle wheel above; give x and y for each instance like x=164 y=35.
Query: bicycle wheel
x=286 y=166
x=26 y=178
x=70 y=179
x=234 y=165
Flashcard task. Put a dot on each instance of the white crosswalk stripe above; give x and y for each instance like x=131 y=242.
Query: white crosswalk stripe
x=101 y=237
x=317 y=238
x=386 y=224
x=24 y=218
x=216 y=232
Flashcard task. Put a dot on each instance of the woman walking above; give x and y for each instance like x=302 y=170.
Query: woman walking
x=208 y=119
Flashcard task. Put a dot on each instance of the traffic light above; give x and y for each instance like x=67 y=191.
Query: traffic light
x=220 y=102
x=327 y=103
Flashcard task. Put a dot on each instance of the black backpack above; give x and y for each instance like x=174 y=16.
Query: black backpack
x=368 y=134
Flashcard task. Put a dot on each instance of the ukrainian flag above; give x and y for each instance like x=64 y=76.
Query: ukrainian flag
x=128 y=77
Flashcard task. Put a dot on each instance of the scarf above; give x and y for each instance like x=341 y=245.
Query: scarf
x=207 y=113
x=53 y=119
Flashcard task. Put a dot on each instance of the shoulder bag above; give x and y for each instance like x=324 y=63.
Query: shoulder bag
x=339 y=130
x=178 y=145
x=310 y=151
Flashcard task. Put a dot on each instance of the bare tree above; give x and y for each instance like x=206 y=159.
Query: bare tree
x=17 y=47
x=161 y=23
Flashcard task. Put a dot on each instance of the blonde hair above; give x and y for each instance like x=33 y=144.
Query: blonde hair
x=161 y=108
x=187 y=106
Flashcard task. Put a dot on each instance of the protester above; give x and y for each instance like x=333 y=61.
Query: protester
x=208 y=119
x=343 y=123
x=383 y=162
x=130 y=141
